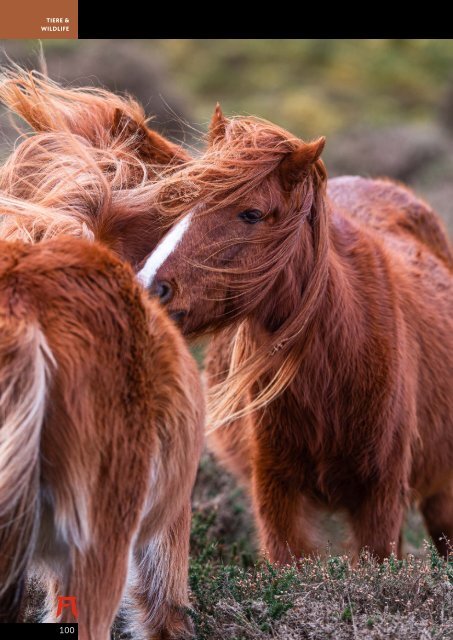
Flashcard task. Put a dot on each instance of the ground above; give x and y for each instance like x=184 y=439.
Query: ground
x=239 y=596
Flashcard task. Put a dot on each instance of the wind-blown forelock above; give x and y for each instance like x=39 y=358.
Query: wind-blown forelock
x=230 y=169
x=234 y=166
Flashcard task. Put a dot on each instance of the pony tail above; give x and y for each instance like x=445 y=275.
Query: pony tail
x=24 y=378
x=249 y=370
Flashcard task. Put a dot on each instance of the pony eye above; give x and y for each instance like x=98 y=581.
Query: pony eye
x=251 y=216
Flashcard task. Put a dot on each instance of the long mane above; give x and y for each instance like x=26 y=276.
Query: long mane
x=235 y=164
x=88 y=112
x=79 y=163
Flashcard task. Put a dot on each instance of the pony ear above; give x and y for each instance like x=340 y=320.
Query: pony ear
x=150 y=145
x=126 y=127
x=162 y=151
x=295 y=164
x=218 y=125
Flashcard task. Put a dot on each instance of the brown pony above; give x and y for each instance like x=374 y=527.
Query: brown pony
x=88 y=165
x=87 y=171
x=331 y=373
x=101 y=431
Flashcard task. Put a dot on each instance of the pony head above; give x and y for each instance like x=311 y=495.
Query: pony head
x=246 y=208
x=102 y=118
x=89 y=163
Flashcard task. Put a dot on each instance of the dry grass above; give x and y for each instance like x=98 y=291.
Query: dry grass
x=237 y=596
x=320 y=599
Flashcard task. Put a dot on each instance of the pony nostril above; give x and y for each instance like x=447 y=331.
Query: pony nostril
x=178 y=316
x=164 y=291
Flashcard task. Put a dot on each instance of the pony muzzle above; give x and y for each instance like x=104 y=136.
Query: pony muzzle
x=178 y=316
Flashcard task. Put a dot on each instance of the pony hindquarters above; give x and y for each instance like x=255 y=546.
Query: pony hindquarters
x=109 y=417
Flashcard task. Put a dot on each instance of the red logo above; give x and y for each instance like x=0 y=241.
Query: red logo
x=66 y=602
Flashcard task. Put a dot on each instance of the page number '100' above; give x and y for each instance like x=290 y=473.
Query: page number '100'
x=67 y=630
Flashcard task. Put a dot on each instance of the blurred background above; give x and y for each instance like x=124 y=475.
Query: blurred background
x=386 y=106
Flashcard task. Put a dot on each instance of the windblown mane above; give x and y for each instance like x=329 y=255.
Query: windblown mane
x=87 y=160
x=235 y=164
x=100 y=117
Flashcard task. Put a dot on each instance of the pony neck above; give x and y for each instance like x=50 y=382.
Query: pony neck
x=337 y=310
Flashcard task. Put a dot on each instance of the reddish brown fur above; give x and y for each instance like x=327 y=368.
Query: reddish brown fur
x=91 y=159
x=333 y=379
x=108 y=488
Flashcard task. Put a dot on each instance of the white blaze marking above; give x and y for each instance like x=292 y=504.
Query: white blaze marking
x=163 y=250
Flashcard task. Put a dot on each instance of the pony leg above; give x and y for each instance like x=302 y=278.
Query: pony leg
x=96 y=580
x=437 y=511
x=284 y=518
x=158 y=585
x=53 y=589
x=98 y=584
x=377 y=524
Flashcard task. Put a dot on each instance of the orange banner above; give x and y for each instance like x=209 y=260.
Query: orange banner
x=39 y=19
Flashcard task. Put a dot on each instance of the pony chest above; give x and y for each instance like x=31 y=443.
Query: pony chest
x=311 y=452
